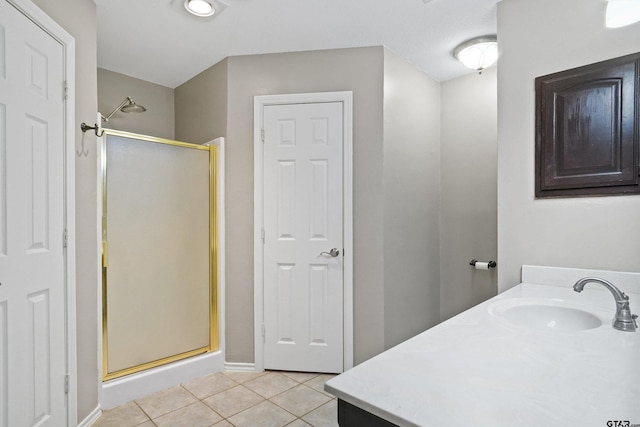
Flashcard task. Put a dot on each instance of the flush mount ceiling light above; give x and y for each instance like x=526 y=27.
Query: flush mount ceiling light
x=621 y=13
x=478 y=53
x=199 y=7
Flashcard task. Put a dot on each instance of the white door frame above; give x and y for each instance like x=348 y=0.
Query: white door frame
x=259 y=103
x=59 y=34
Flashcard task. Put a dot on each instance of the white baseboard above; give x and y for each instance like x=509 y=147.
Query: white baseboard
x=234 y=366
x=91 y=418
x=125 y=389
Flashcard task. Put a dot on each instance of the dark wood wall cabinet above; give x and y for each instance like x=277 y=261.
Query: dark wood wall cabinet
x=587 y=130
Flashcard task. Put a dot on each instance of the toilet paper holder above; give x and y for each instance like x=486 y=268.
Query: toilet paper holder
x=492 y=264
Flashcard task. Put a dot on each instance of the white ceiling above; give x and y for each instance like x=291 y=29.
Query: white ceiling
x=158 y=41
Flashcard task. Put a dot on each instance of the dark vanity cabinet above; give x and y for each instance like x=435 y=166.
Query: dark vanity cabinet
x=352 y=416
x=587 y=126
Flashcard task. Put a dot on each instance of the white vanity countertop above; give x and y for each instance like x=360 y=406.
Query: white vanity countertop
x=478 y=369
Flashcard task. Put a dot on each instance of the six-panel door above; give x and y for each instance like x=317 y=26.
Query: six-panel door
x=303 y=287
x=32 y=273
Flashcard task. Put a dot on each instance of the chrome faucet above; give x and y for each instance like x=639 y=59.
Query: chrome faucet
x=624 y=320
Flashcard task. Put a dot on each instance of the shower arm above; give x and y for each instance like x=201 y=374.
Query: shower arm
x=131 y=107
x=127 y=100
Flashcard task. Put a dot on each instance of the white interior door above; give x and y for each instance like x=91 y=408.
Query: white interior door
x=32 y=258
x=302 y=222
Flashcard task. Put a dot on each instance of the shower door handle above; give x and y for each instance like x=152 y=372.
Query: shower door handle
x=333 y=252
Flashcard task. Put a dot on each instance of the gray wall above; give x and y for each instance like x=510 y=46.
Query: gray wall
x=537 y=38
x=78 y=17
x=159 y=118
x=359 y=70
x=201 y=105
x=396 y=182
x=468 y=224
x=411 y=185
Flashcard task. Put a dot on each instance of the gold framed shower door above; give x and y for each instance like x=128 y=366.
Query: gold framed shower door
x=112 y=372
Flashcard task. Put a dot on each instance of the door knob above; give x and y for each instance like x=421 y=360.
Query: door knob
x=333 y=252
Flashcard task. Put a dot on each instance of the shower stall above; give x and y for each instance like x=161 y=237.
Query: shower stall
x=160 y=255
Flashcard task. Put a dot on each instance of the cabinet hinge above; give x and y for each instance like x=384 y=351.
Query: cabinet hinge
x=262 y=135
x=65 y=238
x=262 y=235
x=66 y=384
x=263 y=333
x=65 y=87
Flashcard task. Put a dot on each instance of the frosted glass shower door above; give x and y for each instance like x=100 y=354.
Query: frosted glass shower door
x=158 y=263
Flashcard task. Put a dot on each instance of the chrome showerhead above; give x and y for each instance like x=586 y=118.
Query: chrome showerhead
x=132 y=107
x=126 y=106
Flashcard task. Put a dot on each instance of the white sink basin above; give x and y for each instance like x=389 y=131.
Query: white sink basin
x=548 y=315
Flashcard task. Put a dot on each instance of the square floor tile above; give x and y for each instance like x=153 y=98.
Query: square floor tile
x=265 y=414
x=300 y=400
x=270 y=384
x=243 y=376
x=317 y=383
x=232 y=401
x=127 y=415
x=166 y=401
x=195 y=415
x=300 y=376
x=209 y=385
x=324 y=416
x=299 y=423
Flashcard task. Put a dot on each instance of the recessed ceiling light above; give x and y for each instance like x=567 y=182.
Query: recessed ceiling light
x=199 y=7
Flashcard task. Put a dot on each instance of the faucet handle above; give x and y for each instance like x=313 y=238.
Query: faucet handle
x=633 y=319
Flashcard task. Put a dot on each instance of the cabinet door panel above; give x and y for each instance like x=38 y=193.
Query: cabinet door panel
x=586 y=137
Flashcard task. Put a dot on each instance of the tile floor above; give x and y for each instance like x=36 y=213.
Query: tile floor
x=233 y=398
